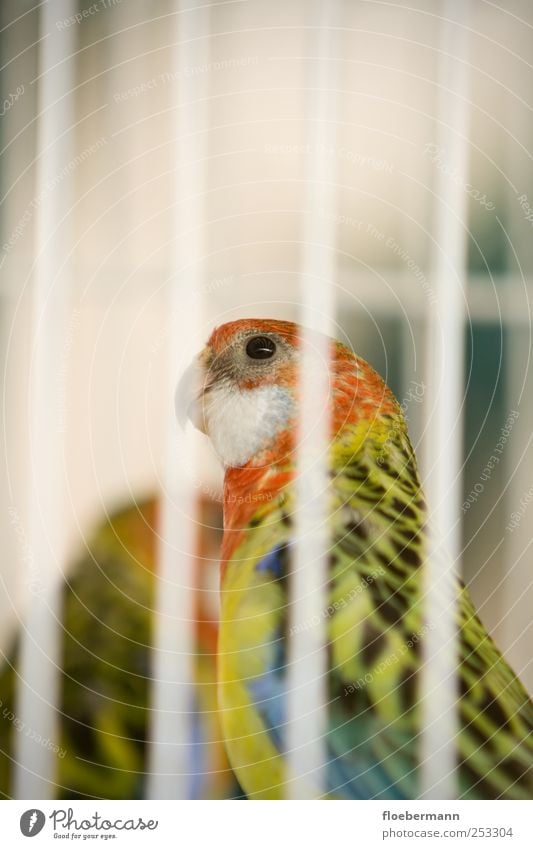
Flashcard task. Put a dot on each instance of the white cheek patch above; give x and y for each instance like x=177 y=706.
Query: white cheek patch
x=240 y=424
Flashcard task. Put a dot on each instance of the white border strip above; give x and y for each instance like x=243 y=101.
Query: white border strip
x=379 y=823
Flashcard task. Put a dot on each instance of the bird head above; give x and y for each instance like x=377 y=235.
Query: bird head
x=242 y=389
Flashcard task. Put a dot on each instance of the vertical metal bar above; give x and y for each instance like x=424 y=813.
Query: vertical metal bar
x=170 y=755
x=515 y=629
x=37 y=694
x=307 y=678
x=444 y=446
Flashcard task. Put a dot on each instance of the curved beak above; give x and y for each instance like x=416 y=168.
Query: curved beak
x=188 y=396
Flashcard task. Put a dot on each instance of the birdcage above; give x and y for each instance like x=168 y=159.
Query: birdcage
x=362 y=169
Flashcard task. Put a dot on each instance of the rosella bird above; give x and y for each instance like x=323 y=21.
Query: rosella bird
x=104 y=717
x=246 y=401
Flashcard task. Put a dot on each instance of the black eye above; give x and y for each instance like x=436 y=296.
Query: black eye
x=260 y=348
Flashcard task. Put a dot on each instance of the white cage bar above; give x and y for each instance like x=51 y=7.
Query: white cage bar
x=170 y=752
x=444 y=416
x=307 y=671
x=38 y=684
x=515 y=631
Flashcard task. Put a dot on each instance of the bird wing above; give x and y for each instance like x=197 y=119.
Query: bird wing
x=376 y=645
x=375 y=630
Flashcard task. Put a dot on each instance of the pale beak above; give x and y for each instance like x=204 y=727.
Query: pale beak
x=188 y=396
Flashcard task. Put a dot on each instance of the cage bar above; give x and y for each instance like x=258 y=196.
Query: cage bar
x=171 y=754
x=307 y=674
x=515 y=630
x=38 y=681
x=444 y=409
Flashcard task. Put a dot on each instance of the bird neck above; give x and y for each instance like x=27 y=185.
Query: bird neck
x=363 y=408
x=254 y=490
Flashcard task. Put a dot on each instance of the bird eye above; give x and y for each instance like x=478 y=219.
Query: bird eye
x=260 y=348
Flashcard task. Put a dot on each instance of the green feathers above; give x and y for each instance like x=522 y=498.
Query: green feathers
x=379 y=526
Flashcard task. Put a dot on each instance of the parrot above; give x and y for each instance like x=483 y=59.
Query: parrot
x=105 y=665
x=242 y=392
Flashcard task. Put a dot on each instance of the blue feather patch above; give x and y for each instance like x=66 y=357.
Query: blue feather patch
x=273 y=561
